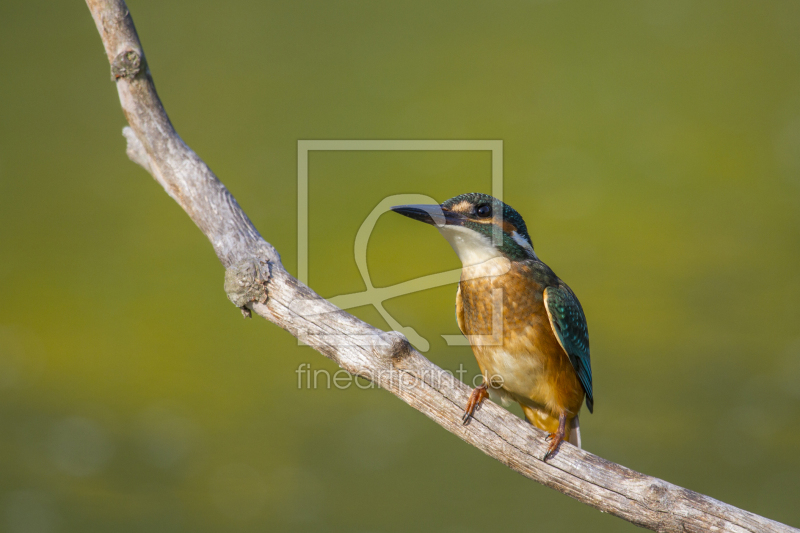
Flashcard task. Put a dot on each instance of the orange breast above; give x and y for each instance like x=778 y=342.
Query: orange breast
x=525 y=359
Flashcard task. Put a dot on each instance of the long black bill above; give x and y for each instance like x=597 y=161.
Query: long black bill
x=429 y=214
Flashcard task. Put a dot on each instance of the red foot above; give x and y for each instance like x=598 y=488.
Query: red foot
x=475 y=400
x=557 y=438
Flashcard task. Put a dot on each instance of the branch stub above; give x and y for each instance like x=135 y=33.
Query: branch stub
x=246 y=282
x=128 y=64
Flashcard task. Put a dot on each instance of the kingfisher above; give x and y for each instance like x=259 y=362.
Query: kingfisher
x=526 y=327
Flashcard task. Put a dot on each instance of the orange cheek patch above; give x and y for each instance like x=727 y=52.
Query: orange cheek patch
x=462 y=207
x=508 y=227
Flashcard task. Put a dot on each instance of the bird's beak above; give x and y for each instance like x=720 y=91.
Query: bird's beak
x=430 y=214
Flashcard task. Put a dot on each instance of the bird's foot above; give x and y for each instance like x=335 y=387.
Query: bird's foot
x=555 y=439
x=475 y=400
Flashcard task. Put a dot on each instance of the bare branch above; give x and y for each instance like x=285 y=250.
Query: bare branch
x=257 y=281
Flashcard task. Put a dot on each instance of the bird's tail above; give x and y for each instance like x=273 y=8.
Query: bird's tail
x=575 y=432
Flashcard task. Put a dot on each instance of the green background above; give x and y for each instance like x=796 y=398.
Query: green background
x=653 y=147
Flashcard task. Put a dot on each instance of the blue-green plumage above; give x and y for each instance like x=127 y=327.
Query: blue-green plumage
x=569 y=324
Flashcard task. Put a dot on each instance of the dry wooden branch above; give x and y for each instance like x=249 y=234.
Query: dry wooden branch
x=257 y=281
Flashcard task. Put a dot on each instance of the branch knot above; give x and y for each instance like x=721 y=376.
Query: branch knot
x=400 y=348
x=128 y=64
x=246 y=282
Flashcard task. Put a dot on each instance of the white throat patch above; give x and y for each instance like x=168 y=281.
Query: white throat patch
x=470 y=246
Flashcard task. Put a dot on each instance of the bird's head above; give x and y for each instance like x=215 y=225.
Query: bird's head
x=479 y=227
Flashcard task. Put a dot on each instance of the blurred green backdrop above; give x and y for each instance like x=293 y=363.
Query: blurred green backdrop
x=652 y=146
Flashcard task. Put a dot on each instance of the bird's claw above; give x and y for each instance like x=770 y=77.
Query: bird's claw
x=475 y=399
x=555 y=439
x=552 y=450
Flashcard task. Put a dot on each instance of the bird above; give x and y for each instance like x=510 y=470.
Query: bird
x=526 y=327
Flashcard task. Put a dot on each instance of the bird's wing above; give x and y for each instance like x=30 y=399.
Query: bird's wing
x=569 y=324
x=460 y=311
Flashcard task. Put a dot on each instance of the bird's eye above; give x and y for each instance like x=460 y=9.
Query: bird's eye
x=484 y=210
